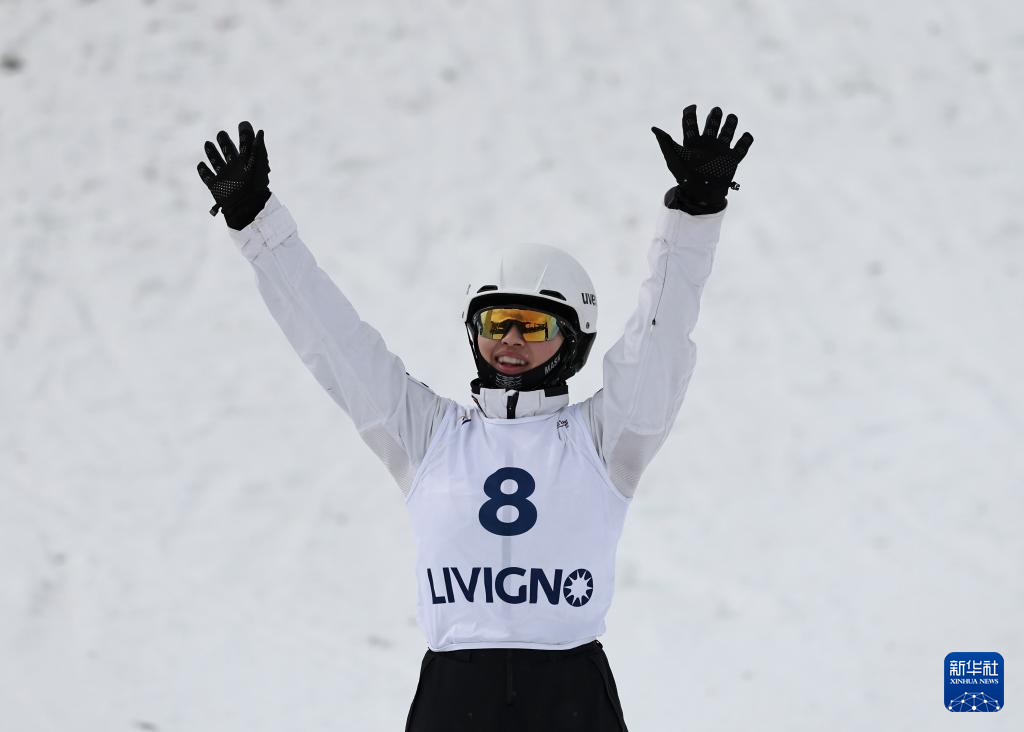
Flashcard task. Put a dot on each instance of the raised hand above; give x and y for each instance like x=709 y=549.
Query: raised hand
x=704 y=164
x=240 y=179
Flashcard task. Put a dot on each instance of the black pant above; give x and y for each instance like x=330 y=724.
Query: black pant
x=516 y=690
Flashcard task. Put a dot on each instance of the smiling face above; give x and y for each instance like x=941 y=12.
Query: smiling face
x=512 y=355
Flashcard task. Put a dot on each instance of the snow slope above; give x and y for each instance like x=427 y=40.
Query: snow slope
x=192 y=537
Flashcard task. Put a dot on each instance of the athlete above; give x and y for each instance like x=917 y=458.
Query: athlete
x=517 y=501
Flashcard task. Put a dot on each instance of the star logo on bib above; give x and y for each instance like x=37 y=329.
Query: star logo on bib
x=578 y=587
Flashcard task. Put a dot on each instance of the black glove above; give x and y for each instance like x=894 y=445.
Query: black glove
x=240 y=185
x=704 y=164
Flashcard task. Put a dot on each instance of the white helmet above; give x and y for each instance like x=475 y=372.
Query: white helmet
x=545 y=278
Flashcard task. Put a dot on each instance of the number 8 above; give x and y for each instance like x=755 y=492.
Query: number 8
x=525 y=486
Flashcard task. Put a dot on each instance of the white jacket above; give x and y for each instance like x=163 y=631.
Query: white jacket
x=646 y=372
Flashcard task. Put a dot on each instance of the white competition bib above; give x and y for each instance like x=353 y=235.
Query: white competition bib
x=516 y=524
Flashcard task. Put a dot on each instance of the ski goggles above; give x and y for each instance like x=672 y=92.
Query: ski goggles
x=535 y=326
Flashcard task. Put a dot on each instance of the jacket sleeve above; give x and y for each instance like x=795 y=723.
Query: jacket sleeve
x=647 y=371
x=395 y=414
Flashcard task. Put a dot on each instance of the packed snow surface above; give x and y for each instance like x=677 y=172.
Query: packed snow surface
x=192 y=535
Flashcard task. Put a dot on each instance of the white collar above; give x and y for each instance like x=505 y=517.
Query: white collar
x=512 y=404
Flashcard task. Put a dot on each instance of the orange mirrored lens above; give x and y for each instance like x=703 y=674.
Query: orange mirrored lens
x=533 y=325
